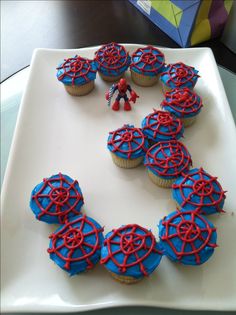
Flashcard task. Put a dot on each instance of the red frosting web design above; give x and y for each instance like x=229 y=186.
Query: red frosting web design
x=73 y=238
x=159 y=119
x=188 y=231
x=202 y=188
x=130 y=241
x=112 y=56
x=59 y=197
x=134 y=138
x=168 y=155
x=183 y=101
x=179 y=74
x=76 y=67
x=148 y=56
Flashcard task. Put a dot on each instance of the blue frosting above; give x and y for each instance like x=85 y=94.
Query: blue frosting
x=77 y=71
x=70 y=242
x=135 y=248
x=148 y=61
x=56 y=201
x=190 y=241
x=168 y=159
x=157 y=130
x=127 y=142
x=198 y=190
x=182 y=103
x=172 y=78
x=112 y=59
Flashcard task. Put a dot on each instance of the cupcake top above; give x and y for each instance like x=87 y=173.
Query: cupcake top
x=147 y=61
x=187 y=237
x=179 y=75
x=76 y=246
x=112 y=59
x=168 y=159
x=161 y=126
x=182 y=103
x=127 y=142
x=131 y=250
x=198 y=190
x=56 y=199
x=76 y=71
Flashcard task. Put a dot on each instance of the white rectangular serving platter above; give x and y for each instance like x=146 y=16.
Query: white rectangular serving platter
x=57 y=132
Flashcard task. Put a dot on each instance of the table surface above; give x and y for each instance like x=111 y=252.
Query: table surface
x=72 y=24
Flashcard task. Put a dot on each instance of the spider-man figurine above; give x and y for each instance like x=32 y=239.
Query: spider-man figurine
x=122 y=88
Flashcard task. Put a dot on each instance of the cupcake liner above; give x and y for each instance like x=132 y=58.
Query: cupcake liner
x=125 y=279
x=188 y=121
x=126 y=163
x=143 y=80
x=166 y=88
x=81 y=90
x=165 y=183
x=111 y=78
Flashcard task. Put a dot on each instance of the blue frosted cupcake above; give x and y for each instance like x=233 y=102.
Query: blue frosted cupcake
x=187 y=237
x=166 y=161
x=130 y=253
x=162 y=126
x=56 y=199
x=183 y=104
x=128 y=146
x=76 y=246
x=78 y=75
x=146 y=65
x=178 y=75
x=113 y=60
x=198 y=190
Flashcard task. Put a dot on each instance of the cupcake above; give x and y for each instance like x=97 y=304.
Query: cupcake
x=128 y=146
x=162 y=126
x=56 y=199
x=130 y=253
x=187 y=237
x=166 y=161
x=78 y=75
x=146 y=65
x=183 y=104
x=178 y=75
x=198 y=191
x=113 y=60
x=76 y=246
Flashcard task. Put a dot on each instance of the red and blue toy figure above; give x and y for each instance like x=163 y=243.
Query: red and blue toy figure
x=122 y=87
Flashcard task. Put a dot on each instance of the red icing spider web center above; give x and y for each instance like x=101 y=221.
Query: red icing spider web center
x=165 y=118
x=188 y=231
x=59 y=195
x=131 y=243
x=203 y=187
x=111 y=56
x=73 y=238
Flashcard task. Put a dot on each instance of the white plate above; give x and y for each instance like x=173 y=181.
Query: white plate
x=57 y=132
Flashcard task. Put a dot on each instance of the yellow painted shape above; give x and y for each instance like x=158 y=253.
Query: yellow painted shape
x=168 y=10
x=228 y=5
x=202 y=27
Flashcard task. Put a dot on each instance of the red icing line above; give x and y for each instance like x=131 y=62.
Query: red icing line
x=111 y=54
x=76 y=67
x=184 y=98
x=165 y=119
x=129 y=135
x=147 y=58
x=180 y=75
x=202 y=188
x=58 y=197
x=188 y=231
x=177 y=158
x=74 y=238
x=130 y=243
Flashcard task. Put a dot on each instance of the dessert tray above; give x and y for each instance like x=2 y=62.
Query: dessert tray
x=58 y=132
